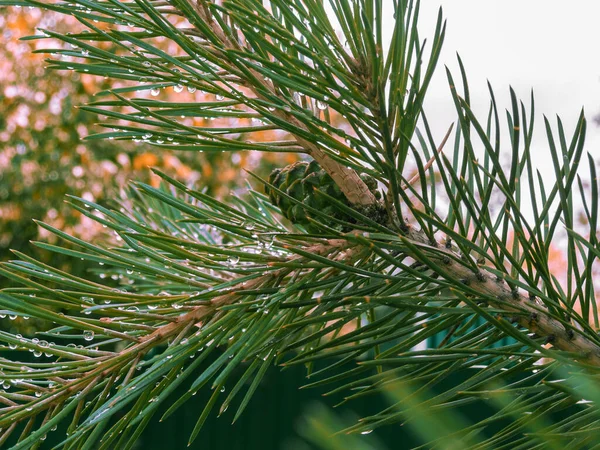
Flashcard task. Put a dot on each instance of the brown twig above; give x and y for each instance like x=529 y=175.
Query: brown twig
x=417 y=176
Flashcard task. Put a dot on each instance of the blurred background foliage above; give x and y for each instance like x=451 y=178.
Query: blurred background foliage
x=43 y=156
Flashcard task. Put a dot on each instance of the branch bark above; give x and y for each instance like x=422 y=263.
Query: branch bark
x=526 y=313
x=349 y=182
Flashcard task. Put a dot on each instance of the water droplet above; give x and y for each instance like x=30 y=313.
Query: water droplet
x=220 y=97
x=178 y=88
x=88 y=335
x=366 y=432
x=298 y=98
x=154 y=92
x=321 y=105
x=233 y=260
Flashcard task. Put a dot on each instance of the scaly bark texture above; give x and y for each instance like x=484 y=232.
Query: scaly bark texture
x=527 y=313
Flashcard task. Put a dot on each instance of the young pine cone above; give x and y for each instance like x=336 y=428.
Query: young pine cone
x=301 y=181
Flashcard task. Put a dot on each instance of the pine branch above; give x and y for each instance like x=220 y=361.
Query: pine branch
x=109 y=365
x=195 y=273
x=199 y=313
x=353 y=187
x=492 y=287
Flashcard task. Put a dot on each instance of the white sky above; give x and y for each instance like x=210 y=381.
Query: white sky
x=539 y=44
